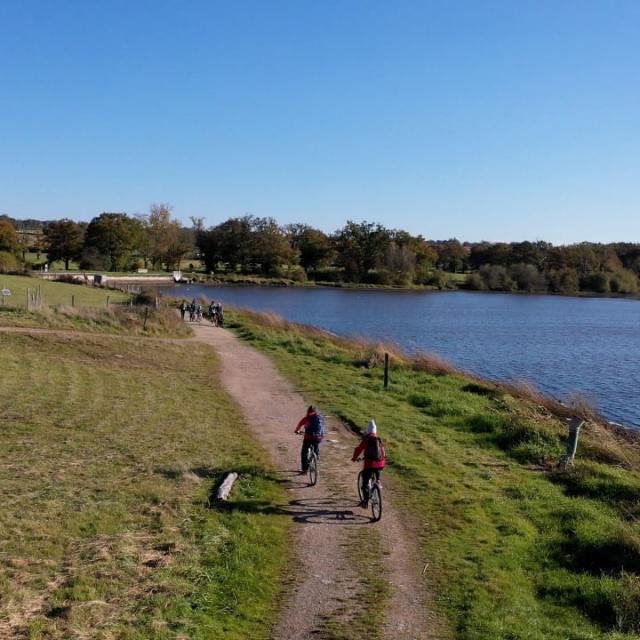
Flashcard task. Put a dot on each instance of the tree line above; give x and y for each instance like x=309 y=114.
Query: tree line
x=359 y=253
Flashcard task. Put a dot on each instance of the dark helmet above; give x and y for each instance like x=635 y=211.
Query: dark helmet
x=311 y=409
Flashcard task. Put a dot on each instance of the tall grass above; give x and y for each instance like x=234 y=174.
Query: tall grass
x=115 y=319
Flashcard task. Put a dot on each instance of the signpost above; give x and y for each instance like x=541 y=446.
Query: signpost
x=4 y=293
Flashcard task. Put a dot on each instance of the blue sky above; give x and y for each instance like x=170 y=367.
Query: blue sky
x=480 y=120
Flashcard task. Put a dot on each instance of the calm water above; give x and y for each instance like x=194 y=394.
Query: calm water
x=563 y=345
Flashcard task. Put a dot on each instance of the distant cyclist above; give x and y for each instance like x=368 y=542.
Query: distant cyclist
x=313 y=426
x=374 y=456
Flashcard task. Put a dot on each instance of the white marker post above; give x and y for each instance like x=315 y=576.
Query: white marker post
x=5 y=293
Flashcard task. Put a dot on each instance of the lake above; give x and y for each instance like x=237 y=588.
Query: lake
x=563 y=345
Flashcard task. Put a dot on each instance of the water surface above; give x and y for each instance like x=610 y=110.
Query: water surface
x=562 y=344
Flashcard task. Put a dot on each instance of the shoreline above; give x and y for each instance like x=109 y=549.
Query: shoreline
x=279 y=284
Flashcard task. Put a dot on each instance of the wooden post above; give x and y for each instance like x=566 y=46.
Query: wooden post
x=225 y=488
x=28 y=299
x=107 y=301
x=386 y=370
x=73 y=301
x=575 y=424
x=146 y=315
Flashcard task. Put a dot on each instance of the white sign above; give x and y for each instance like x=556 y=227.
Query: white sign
x=5 y=292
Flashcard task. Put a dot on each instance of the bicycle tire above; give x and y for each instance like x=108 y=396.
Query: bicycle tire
x=360 y=487
x=313 y=470
x=375 y=500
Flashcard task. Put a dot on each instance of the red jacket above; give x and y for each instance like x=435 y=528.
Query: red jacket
x=362 y=447
x=305 y=423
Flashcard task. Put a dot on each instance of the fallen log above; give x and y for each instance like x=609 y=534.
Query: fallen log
x=225 y=488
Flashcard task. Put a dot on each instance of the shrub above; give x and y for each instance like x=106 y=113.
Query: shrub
x=496 y=277
x=527 y=278
x=378 y=276
x=327 y=274
x=597 y=282
x=623 y=282
x=297 y=274
x=8 y=262
x=441 y=280
x=564 y=280
x=474 y=282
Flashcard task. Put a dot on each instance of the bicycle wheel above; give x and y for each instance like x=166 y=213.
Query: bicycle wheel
x=375 y=499
x=313 y=469
x=360 y=487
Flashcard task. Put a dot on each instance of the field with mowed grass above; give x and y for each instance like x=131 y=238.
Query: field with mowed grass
x=110 y=449
x=57 y=293
x=514 y=546
x=116 y=320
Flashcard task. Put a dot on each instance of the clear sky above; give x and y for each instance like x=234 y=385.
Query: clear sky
x=488 y=120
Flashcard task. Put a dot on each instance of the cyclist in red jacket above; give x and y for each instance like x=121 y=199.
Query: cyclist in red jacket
x=374 y=457
x=313 y=426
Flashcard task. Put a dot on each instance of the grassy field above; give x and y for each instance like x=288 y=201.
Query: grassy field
x=55 y=293
x=116 y=320
x=516 y=547
x=110 y=448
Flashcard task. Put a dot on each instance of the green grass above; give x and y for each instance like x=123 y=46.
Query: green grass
x=57 y=293
x=109 y=451
x=516 y=549
x=116 y=319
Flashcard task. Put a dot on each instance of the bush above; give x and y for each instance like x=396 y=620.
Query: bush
x=297 y=274
x=378 y=276
x=597 y=282
x=496 y=277
x=564 y=280
x=327 y=274
x=8 y=262
x=623 y=282
x=441 y=280
x=474 y=282
x=527 y=278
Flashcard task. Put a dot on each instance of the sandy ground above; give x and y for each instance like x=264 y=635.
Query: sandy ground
x=328 y=520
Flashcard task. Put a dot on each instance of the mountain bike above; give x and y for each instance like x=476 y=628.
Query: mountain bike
x=312 y=464
x=375 y=495
x=312 y=461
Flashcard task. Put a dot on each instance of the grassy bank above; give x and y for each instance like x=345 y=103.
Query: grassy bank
x=516 y=547
x=57 y=293
x=116 y=320
x=110 y=449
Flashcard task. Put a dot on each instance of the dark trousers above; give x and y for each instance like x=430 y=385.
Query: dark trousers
x=367 y=474
x=306 y=445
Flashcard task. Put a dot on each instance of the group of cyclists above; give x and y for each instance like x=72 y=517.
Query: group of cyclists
x=215 y=312
x=371 y=448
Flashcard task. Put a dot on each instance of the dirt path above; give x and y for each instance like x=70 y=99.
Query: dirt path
x=331 y=527
x=331 y=530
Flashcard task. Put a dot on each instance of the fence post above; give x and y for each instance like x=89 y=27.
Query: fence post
x=73 y=301
x=386 y=370
x=575 y=424
x=107 y=301
x=146 y=315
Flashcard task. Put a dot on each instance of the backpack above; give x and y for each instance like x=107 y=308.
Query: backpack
x=315 y=427
x=374 y=450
